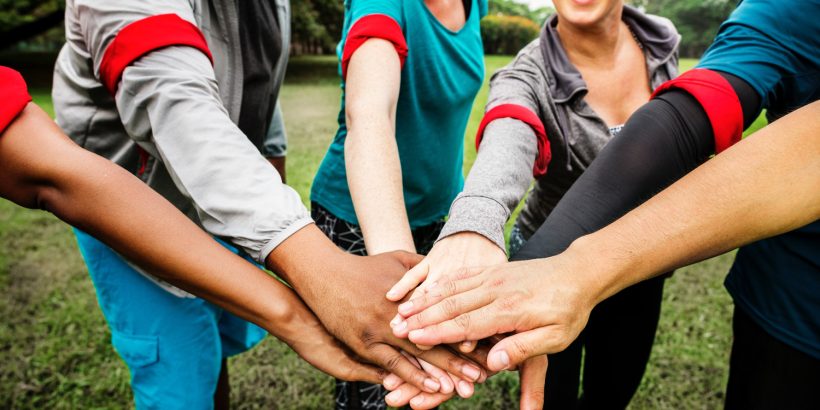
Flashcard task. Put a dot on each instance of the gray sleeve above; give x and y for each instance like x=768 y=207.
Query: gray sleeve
x=276 y=140
x=169 y=103
x=502 y=172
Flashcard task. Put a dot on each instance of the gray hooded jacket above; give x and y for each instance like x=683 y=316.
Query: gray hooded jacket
x=179 y=108
x=542 y=79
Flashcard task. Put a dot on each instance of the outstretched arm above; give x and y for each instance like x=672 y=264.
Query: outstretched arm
x=734 y=199
x=374 y=173
x=42 y=168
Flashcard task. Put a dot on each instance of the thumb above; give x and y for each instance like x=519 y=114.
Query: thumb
x=513 y=350
x=409 y=281
x=408 y=259
x=354 y=371
x=533 y=376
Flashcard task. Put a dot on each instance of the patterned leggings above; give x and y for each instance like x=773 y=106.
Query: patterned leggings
x=348 y=237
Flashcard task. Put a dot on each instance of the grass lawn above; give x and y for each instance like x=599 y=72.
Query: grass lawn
x=54 y=343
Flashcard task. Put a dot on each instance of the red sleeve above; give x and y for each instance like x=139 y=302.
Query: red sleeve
x=718 y=99
x=14 y=96
x=373 y=26
x=143 y=36
x=526 y=115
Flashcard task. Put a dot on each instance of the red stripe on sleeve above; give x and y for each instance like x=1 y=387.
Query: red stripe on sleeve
x=143 y=36
x=15 y=96
x=718 y=99
x=526 y=115
x=373 y=26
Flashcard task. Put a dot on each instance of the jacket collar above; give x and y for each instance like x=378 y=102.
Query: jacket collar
x=659 y=41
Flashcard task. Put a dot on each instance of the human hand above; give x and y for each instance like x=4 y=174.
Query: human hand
x=303 y=333
x=457 y=251
x=545 y=302
x=349 y=303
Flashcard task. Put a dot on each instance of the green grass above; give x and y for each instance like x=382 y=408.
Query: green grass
x=54 y=343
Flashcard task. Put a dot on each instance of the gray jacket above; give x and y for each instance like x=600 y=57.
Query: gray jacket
x=182 y=110
x=542 y=79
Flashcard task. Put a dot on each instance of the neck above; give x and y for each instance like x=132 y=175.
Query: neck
x=593 y=44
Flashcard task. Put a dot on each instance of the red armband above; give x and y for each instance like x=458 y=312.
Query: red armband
x=373 y=26
x=14 y=94
x=718 y=99
x=143 y=36
x=524 y=114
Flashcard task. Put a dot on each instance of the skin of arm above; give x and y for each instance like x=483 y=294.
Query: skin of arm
x=374 y=172
x=371 y=154
x=42 y=168
x=279 y=164
x=736 y=198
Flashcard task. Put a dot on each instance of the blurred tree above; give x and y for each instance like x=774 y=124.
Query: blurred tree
x=317 y=25
x=21 y=20
x=697 y=20
x=514 y=8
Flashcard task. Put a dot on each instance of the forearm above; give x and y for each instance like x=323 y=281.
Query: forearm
x=374 y=172
x=242 y=199
x=42 y=168
x=498 y=180
x=375 y=181
x=736 y=198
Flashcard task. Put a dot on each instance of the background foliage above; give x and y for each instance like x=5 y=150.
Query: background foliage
x=35 y=25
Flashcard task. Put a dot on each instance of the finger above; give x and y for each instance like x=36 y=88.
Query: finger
x=479 y=356
x=402 y=395
x=513 y=350
x=392 y=382
x=464 y=389
x=437 y=293
x=408 y=282
x=424 y=401
x=477 y=324
x=451 y=363
x=533 y=377
x=446 y=309
x=393 y=361
x=467 y=346
x=443 y=377
x=409 y=260
x=348 y=369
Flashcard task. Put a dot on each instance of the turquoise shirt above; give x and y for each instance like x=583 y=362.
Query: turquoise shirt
x=774 y=45
x=440 y=77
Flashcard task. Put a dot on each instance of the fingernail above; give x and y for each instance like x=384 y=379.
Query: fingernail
x=417 y=401
x=431 y=385
x=401 y=326
x=394 y=396
x=395 y=321
x=471 y=372
x=465 y=346
x=446 y=385
x=405 y=307
x=391 y=294
x=415 y=334
x=465 y=390
x=502 y=358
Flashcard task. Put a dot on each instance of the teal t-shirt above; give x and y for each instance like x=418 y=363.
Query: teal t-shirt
x=774 y=45
x=440 y=77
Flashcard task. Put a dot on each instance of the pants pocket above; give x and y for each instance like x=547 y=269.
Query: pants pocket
x=136 y=351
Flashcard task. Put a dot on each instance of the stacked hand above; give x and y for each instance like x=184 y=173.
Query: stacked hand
x=450 y=255
x=345 y=293
x=544 y=304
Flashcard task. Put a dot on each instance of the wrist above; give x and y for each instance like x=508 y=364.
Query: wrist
x=304 y=259
x=599 y=269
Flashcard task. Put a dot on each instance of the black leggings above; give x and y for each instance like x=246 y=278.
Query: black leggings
x=663 y=141
x=616 y=344
x=765 y=373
